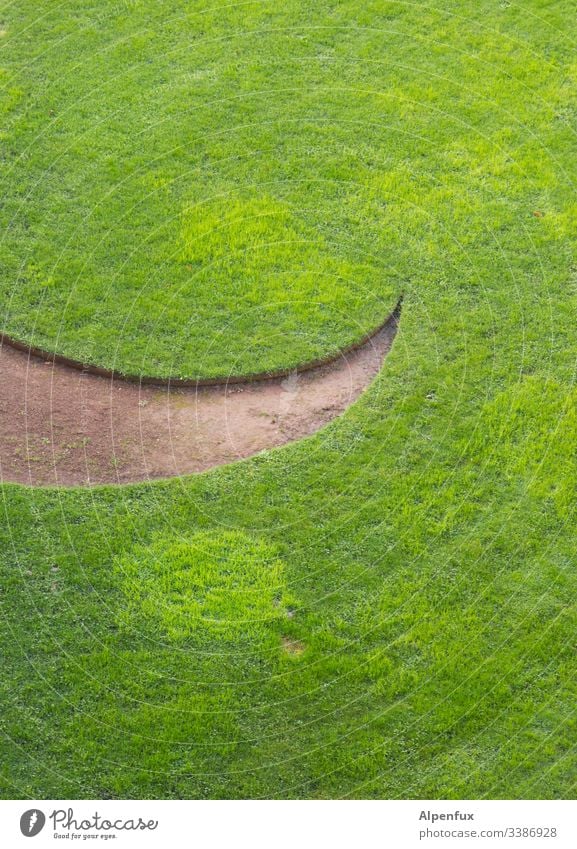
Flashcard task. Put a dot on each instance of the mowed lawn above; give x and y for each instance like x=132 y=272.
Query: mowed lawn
x=386 y=609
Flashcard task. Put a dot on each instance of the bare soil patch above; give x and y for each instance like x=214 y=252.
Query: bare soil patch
x=61 y=427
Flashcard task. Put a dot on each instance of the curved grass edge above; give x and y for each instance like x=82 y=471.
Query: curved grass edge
x=114 y=374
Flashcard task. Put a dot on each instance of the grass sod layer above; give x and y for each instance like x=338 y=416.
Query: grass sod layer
x=386 y=609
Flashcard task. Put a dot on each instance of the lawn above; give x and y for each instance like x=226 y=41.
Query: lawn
x=386 y=609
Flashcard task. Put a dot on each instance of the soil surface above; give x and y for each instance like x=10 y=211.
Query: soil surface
x=62 y=427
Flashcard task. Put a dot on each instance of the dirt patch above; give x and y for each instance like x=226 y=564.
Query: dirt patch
x=292 y=646
x=61 y=427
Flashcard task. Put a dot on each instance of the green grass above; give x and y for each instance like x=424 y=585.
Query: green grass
x=420 y=551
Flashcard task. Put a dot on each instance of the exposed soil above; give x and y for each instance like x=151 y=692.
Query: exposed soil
x=62 y=427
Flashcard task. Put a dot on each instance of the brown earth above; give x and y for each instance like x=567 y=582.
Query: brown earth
x=62 y=427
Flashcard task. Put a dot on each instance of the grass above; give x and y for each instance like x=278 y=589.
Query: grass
x=419 y=552
x=172 y=205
